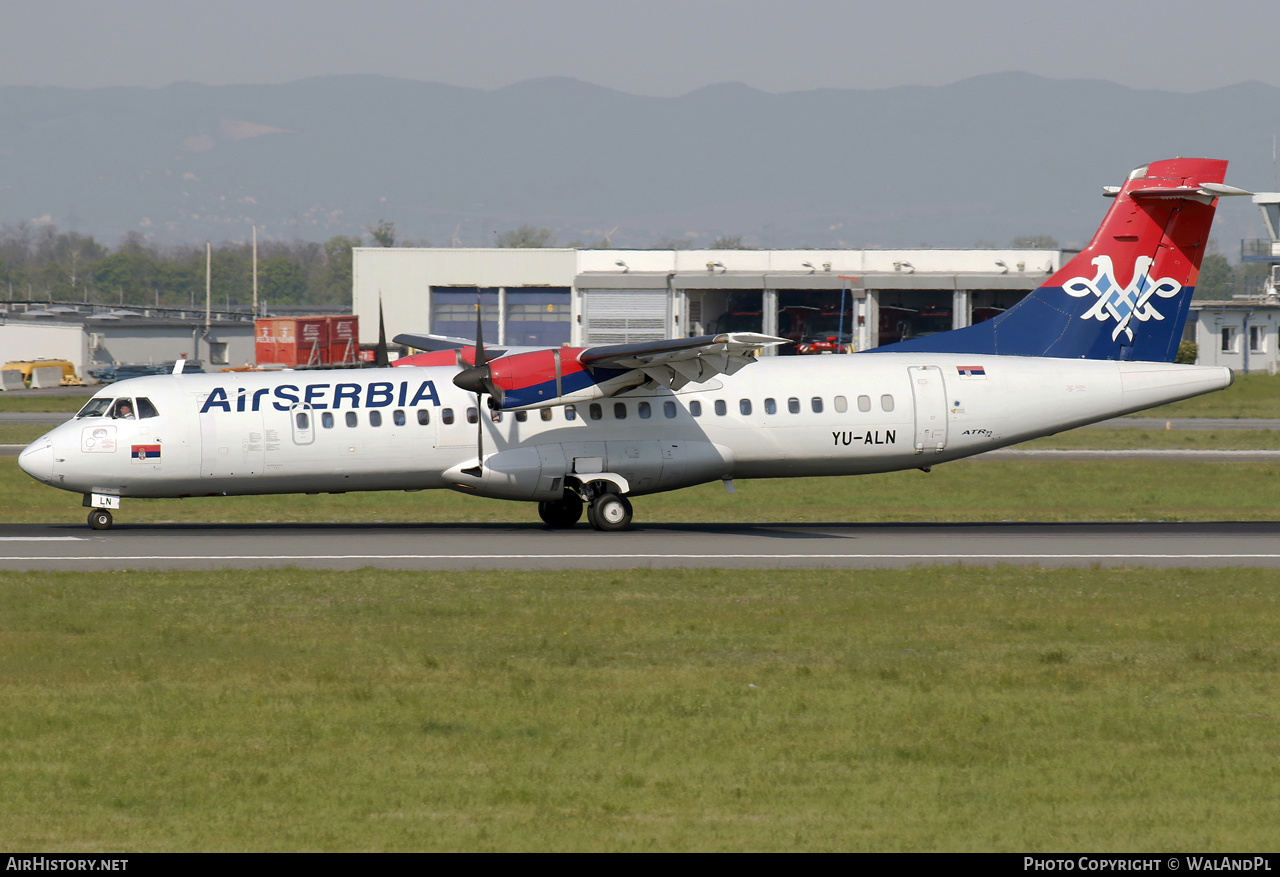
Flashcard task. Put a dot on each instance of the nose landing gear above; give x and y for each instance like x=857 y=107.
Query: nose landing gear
x=100 y=519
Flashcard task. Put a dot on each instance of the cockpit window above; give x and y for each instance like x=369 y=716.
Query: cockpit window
x=96 y=407
x=145 y=408
x=123 y=409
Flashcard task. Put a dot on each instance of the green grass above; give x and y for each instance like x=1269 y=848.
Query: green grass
x=937 y=709
x=1255 y=395
x=1104 y=438
x=18 y=401
x=962 y=491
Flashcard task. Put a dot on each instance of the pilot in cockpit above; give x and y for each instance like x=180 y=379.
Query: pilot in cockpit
x=124 y=409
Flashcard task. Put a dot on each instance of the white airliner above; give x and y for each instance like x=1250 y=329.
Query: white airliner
x=572 y=427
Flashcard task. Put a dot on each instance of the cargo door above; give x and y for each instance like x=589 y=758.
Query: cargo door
x=930 y=398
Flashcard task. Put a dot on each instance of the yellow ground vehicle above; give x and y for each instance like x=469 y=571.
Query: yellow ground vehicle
x=26 y=366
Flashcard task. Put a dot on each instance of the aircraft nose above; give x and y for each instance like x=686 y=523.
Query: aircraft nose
x=37 y=460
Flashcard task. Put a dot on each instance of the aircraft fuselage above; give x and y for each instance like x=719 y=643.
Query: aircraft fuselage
x=411 y=428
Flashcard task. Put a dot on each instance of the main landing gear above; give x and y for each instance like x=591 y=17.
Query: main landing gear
x=609 y=512
x=606 y=510
x=100 y=519
x=562 y=513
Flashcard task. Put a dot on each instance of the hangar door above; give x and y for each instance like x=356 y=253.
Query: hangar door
x=613 y=317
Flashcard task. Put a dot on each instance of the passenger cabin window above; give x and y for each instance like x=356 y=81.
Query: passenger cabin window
x=96 y=407
x=595 y=411
x=644 y=411
x=570 y=413
x=669 y=409
x=522 y=416
x=816 y=403
x=545 y=414
x=473 y=416
x=744 y=406
x=770 y=406
x=375 y=418
x=864 y=403
x=303 y=421
x=424 y=416
x=886 y=402
x=842 y=404
x=352 y=419
x=326 y=420
x=793 y=405
x=721 y=408
x=447 y=416
x=619 y=410
x=695 y=408
x=397 y=417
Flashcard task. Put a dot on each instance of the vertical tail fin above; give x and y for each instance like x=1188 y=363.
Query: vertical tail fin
x=1126 y=295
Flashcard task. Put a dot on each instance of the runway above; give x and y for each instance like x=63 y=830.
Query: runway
x=732 y=546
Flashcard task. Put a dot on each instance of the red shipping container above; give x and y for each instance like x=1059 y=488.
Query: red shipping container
x=292 y=341
x=344 y=339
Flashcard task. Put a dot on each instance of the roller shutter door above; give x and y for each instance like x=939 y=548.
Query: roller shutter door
x=624 y=317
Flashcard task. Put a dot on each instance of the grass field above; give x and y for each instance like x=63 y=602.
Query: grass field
x=1254 y=395
x=962 y=491
x=940 y=709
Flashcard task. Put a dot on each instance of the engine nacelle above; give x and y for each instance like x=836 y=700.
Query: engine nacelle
x=544 y=472
x=530 y=473
x=542 y=378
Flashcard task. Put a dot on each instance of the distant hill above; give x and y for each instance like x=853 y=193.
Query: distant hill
x=983 y=160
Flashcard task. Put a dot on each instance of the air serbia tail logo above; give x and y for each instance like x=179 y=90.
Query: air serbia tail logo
x=1123 y=304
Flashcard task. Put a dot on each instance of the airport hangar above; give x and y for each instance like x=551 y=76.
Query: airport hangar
x=857 y=299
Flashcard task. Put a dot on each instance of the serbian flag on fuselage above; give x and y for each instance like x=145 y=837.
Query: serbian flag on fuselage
x=146 y=453
x=972 y=371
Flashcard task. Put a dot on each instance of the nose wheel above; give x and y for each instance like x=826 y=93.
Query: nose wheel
x=100 y=519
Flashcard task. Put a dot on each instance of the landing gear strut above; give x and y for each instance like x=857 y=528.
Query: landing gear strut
x=100 y=519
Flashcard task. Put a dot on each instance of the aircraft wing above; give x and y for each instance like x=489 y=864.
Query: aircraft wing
x=565 y=375
x=448 y=342
x=672 y=363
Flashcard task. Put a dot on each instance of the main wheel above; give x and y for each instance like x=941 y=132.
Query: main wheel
x=610 y=512
x=100 y=519
x=561 y=513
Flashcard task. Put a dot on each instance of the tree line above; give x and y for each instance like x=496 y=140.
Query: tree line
x=42 y=263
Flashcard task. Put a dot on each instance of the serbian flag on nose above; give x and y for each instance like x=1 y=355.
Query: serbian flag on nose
x=146 y=453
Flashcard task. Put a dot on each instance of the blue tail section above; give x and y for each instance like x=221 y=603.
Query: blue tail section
x=1126 y=296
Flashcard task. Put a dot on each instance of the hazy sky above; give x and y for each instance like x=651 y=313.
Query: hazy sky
x=651 y=47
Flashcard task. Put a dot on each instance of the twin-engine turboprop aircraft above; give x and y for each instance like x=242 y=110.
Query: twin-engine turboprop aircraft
x=593 y=426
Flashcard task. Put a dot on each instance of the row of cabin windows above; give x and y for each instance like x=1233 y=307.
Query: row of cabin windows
x=816 y=405
x=595 y=411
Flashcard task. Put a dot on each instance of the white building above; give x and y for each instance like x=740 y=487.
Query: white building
x=1244 y=333
x=581 y=297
